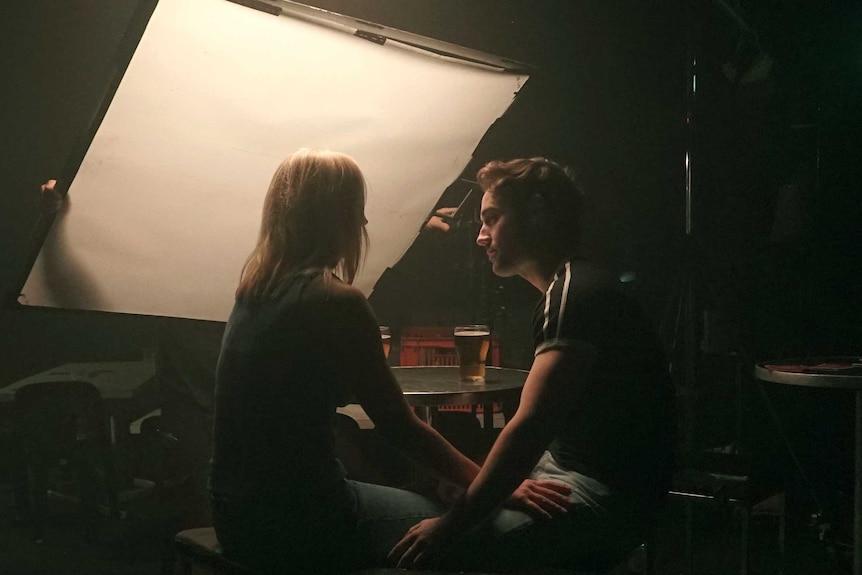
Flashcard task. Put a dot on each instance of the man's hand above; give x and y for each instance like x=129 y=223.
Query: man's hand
x=540 y=499
x=440 y=219
x=51 y=199
x=419 y=545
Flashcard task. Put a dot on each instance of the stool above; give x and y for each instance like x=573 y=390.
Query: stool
x=395 y=571
x=55 y=421
x=725 y=479
x=199 y=547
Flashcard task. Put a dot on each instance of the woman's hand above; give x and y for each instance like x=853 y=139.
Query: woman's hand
x=421 y=543
x=540 y=499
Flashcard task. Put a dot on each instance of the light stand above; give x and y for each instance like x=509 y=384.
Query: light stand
x=682 y=347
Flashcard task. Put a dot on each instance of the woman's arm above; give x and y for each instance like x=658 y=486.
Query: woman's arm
x=362 y=366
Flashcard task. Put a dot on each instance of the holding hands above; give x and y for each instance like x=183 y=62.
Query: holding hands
x=541 y=499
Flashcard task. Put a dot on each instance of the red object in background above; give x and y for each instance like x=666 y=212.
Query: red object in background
x=436 y=346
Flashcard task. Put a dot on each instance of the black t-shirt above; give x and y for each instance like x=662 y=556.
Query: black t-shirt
x=621 y=428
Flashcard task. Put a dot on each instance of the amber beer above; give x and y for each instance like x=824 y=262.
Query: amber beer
x=472 y=343
x=385 y=339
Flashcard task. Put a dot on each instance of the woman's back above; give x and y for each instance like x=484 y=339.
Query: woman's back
x=276 y=394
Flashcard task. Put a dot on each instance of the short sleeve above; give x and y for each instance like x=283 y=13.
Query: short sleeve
x=572 y=313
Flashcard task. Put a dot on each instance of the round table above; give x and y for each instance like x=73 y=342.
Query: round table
x=429 y=387
x=833 y=373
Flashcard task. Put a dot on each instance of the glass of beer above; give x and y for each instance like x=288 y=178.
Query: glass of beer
x=385 y=339
x=472 y=343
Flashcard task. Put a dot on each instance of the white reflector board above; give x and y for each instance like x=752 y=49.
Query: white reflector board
x=165 y=206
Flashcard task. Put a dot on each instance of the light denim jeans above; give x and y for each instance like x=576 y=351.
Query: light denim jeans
x=383 y=516
x=359 y=527
x=599 y=521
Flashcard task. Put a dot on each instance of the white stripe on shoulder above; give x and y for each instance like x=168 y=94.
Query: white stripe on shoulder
x=547 y=309
x=575 y=345
x=563 y=298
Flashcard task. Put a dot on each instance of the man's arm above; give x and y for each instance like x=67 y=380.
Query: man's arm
x=554 y=384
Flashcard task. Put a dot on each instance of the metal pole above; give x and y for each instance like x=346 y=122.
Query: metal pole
x=857 y=491
x=688 y=304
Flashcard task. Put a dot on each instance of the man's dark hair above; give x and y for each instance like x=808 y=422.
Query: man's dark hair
x=542 y=194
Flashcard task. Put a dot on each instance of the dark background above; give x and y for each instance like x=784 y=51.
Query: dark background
x=609 y=98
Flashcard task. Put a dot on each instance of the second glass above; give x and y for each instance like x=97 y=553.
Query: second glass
x=385 y=339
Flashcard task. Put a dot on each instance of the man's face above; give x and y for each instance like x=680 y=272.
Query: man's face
x=501 y=237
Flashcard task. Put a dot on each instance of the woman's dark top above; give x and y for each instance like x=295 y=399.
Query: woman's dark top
x=278 y=383
x=279 y=495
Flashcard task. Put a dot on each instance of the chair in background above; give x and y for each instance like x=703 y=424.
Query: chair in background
x=728 y=475
x=56 y=424
x=728 y=479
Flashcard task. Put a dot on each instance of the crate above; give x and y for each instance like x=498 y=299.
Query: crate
x=432 y=345
x=436 y=346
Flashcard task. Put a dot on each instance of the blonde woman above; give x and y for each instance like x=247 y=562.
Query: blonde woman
x=301 y=339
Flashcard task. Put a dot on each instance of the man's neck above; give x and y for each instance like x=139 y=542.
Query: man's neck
x=540 y=272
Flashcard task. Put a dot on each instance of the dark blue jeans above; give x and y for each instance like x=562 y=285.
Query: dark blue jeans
x=353 y=526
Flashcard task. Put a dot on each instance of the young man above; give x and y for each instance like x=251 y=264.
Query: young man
x=596 y=411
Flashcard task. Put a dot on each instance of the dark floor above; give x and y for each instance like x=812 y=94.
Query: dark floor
x=134 y=545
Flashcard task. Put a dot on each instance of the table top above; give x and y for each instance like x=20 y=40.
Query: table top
x=831 y=372
x=440 y=385
x=114 y=380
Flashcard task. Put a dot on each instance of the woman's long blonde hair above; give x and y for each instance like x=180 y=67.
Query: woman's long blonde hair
x=313 y=219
